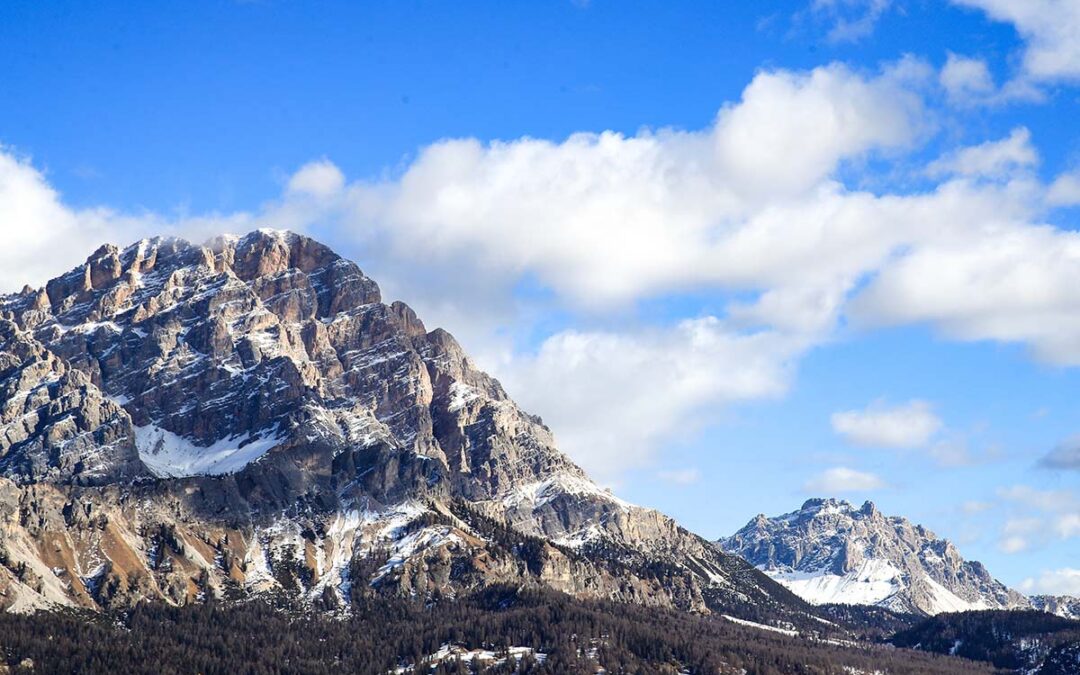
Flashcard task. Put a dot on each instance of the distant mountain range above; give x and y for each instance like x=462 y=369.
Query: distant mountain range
x=830 y=551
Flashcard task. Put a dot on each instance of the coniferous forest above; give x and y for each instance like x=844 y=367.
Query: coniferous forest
x=381 y=635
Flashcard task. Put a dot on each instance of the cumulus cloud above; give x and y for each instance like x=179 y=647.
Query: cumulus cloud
x=41 y=235
x=321 y=178
x=910 y=425
x=612 y=398
x=1064 y=581
x=491 y=239
x=1048 y=28
x=992 y=159
x=838 y=480
x=1065 y=190
x=1011 y=283
x=967 y=82
x=44 y=237
x=604 y=219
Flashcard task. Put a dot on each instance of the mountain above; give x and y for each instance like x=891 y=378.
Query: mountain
x=1020 y=641
x=829 y=551
x=1066 y=606
x=182 y=422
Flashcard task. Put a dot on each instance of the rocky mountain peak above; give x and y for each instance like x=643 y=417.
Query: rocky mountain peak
x=831 y=551
x=248 y=414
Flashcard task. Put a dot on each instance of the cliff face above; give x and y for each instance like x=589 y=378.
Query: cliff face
x=830 y=551
x=181 y=421
x=1065 y=606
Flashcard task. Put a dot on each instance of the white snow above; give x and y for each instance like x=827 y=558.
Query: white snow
x=761 y=626
x=488 y=657
x=872 y=583
x=460 y=395
x=868 y=584
x=168 y=455
x=580 y=537
x=945 y=600
x=411 y=544
x=538 y=493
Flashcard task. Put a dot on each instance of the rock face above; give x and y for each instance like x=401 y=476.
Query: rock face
x=185 y=421
x=830 y=551
x=1066 y=606
x=55 y=424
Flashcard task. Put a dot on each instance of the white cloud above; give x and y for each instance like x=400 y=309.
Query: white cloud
x=1065 y=190
x=41 y=236
x=604 y=219
x=967 y=82
x=613 y=398
x=993 y=159
x=911 y=425
x=842 y=479
x=1064 y=581
x=680 y=476
x=1067 y=525
x=321 y=178
x=1039 y=517
x=852 y=19
x=1048 y=28
x=1018 y=534
x=1011 y=282
x=749 y=207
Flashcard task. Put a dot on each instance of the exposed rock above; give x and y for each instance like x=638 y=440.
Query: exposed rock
x=1067 y=606
x=289 y=430
x=831 y=551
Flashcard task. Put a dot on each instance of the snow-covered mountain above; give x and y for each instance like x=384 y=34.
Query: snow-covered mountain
x=1066 y=606
x=183 y=421
x=830 y=551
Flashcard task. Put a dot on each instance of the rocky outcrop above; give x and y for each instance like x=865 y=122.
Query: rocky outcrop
x=830 y=551
x=1066 y=606
x=55 y=425
x=249 y=415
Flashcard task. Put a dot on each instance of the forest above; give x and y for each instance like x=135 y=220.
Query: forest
x=381 y=635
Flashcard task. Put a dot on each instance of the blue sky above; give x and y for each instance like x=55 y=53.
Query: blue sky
x=785 y=272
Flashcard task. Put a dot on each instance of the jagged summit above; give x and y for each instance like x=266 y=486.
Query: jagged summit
x=828 y=505
x=832 y=551
x=183 y=421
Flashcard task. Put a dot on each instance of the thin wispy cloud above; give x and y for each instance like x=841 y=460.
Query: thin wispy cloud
x=910 y=425
x=843 y=480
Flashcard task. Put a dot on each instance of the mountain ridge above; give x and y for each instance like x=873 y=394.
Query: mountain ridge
x=830 y=551
x=185 y=422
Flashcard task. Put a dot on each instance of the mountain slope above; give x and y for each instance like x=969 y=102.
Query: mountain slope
x=185 y=421
x=1021 y=641
x=829 y=551
x=1065 y=606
